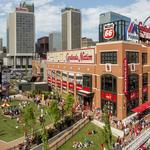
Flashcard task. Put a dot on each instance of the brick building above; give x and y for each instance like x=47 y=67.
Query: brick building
x=116 y=74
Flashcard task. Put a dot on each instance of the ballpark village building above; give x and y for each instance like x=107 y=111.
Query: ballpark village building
x=116 y=74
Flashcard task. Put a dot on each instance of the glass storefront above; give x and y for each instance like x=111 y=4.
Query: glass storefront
x=144 y=87
x=111 y=106
x=109 y=93
x=133 y=93
x=87 y=82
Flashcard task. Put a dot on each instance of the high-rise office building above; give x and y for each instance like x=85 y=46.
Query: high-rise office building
x=1 y=45
x=21 y=37
x=55 y=41
x=29 y=6
x=86 y=42
x=71 y=28
x=111 y=17
x=113 y=26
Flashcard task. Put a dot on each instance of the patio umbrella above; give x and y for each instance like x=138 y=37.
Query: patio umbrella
x=5 y=105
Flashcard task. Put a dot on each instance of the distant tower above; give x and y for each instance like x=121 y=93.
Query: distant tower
x=55 y=41
x=71 y=28
x=21 y=36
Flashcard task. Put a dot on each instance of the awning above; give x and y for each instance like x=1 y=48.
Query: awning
x=85 y=93
x=142 y=107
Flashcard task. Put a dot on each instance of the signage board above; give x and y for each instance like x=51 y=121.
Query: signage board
x=144 y=31
x=125 y=73
x=133 y=32
x=76 y=56
x=134 y=95
x=109 y=96
x=109 y=31
x=145 y=89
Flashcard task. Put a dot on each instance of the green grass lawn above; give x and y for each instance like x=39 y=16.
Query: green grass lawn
x=80 y=136
x=8 y=130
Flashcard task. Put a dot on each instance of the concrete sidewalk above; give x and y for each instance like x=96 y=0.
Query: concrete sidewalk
x=6 y=145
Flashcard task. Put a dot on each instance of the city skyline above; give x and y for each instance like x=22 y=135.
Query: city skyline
x=51 y=9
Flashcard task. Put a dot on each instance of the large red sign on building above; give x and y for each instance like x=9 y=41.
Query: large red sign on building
x=109 y=96
x=109 y=31
x=125 y=74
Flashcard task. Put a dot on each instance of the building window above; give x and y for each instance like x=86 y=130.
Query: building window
x=132 y=57
x=133 y=82
x=95 y=81
x=79 y=79
x=111 y=107
x=130 y=105
x=108 y=93
x=109 y=83
x=144 y=58
x=87 y=81
x=109 y=57
x=145 y=79
x=145 y=87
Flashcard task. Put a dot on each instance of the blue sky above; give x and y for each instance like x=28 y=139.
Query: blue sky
x=48 y=16
x=93 y=3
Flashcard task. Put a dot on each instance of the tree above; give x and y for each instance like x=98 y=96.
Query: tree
x=68 y=104
x=44 y=133
x=28 y=118
x=54 y=112
x=107 y=130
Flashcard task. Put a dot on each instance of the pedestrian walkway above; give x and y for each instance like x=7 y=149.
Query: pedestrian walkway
x=115 y=131
x=139 y=140
x=7 y=145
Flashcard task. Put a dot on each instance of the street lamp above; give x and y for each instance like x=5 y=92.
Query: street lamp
x=1 y=63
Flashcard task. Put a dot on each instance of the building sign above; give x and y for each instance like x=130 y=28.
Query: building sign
x=109 y=31
x=71 y=86
x=133 y=32
x=125 y=67
x=145 y=89
x=79 y=87
x=58 y=83
x=53 y=80
x=64 y=84
x=76 y=56
x=144 y=31
x=109 y=96
x=134 y=95
x=88 y=89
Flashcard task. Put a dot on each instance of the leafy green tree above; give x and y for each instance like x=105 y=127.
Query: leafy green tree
x=107 y=130
x=68 y=104
x=54 y=112
x=44 y=134
x=28 y=117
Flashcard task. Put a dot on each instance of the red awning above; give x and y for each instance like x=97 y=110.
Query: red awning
x=142 y=107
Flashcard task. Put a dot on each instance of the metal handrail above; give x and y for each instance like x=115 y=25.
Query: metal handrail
x=139 y=141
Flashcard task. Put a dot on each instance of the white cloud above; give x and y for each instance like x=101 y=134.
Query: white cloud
x=90 y=20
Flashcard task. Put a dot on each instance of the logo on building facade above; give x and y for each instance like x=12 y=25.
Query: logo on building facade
x=144 y=31
x=133 y=32
x=77 y=56
x=125 y=65
x=109 y=31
